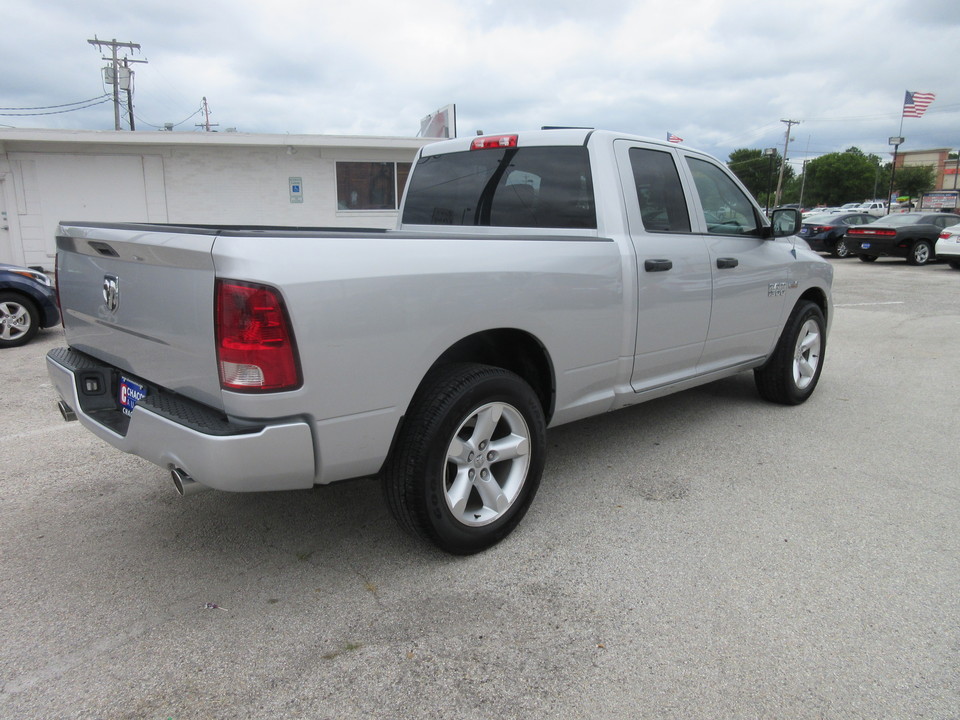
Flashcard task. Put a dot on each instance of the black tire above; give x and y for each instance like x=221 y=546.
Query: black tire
x=868 y=258
x=840 y=249
x=921 y=253
x=791 y=374
x=955 y=264
x=19 y=319
x=466 y=501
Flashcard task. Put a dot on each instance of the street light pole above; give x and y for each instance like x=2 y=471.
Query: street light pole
x=896 y=142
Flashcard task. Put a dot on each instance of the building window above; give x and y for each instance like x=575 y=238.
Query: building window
x=370 y=185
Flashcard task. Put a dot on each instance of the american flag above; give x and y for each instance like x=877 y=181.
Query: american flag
x=915 y=104
x=674 y=138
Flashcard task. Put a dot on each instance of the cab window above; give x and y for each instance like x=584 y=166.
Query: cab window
x=530 y=187
x=663 y=206
x=727 y=210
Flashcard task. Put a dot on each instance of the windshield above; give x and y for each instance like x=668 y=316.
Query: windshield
x=898 y=220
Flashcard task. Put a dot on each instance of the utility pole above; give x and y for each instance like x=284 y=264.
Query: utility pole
x=115 y=74
x=129 y=74
x=770 y=153
x=206 y=124
x=786 y=143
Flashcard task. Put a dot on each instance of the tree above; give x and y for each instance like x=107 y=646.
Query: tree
x=756 y=171
x=915 y=180
x=842 y=177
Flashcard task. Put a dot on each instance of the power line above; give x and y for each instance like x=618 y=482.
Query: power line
x=173 y=125
x=100 y=101
x=51 y=107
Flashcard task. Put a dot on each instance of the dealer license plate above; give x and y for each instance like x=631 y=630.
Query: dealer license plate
x=864 y=246
x=129 y=394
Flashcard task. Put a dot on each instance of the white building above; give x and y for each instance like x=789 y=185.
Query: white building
x=208 y=178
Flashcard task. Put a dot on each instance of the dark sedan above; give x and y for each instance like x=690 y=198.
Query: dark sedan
x=824 y=233
x=908 y=235
x=27 y=303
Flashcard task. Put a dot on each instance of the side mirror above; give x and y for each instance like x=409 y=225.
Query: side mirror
x=784 y=221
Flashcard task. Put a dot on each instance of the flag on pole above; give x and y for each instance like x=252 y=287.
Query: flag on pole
x=915 y=104
x=674 y=138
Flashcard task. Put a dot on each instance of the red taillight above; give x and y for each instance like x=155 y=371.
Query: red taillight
x=945 y=235
x=822 y=229
x=872 y=231
x=255 y=347
x=494 y=141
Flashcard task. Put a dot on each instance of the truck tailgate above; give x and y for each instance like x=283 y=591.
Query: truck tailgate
x=141 y=298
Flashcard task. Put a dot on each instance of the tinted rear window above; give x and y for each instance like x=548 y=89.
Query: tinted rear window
x=536 y=187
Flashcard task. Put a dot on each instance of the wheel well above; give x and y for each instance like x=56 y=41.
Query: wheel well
x=22 y=297
x=514 y=350
x=818 y=298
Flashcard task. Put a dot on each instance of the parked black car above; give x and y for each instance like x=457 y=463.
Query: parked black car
x=27 y=303
x=824 y=233
x=908 y=235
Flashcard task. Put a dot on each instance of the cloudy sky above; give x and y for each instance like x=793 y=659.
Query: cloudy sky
x=722 y=74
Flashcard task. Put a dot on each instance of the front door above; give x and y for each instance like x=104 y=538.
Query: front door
x=751 y=275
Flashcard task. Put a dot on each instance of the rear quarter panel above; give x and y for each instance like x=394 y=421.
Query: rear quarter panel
x=372 y=314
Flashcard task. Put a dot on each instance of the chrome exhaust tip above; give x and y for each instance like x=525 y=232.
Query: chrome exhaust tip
x=185 y=484
x=68 y=414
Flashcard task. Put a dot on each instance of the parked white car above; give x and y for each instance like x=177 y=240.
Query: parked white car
x=948 y=246
x=872 y=207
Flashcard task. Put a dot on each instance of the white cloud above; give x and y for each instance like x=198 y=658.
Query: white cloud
x=720 y=74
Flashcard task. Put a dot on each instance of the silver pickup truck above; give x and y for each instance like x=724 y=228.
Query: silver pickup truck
x=534 y=279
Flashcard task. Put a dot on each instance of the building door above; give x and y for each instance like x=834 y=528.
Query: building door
x=6 y=236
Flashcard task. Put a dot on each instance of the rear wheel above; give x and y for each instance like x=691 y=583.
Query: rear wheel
x=840 y=249
x=793 y=371
x=19 y=320
x=468 y=459
x=921 y=253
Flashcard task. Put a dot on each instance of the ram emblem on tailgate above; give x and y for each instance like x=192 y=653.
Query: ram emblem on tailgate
x=111 y=292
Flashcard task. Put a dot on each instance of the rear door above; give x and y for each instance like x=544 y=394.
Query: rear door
x=673 y=271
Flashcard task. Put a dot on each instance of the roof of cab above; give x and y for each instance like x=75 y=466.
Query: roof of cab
x=543 y=137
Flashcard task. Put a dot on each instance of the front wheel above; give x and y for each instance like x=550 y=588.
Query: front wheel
x=791 y=374
x=468 y=458
x=19 y=320
x=955 y=264
x=868 y=258
x=921 y=253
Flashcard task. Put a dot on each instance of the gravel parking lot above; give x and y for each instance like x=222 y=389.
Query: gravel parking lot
x=706 y=555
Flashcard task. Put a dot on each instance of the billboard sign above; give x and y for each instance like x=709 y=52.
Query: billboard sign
x=440 y=124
